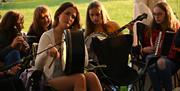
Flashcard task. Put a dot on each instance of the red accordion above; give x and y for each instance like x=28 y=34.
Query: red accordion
x=165 y=44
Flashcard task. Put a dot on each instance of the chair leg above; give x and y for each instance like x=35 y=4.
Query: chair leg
x=176 y=79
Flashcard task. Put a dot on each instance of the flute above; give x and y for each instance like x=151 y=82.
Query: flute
x=24 y=46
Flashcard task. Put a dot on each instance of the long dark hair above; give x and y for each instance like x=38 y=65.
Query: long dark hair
x=76 y=24
x=9 y=26
x=9 y=21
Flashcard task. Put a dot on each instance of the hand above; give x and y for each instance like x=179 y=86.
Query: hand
x=148 y=50
x=177 y=49
x=130 y=26
x=53 y=52
x=18 y=40
x=14 y=69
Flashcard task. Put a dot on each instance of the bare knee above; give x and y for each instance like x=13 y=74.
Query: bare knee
x=81 y=77
x=93 y=83
x=91 y=75
x=80 y=84
x=161 y=64
x=75 y=82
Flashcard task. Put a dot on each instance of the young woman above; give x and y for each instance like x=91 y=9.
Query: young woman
x=66 y=17
x=12 y=45
x=98 y=20
x=145 y=6
x=41 y=22
x=160 y=73
x=99 y=24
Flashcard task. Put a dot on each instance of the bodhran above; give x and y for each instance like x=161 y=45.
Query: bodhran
x=73 y=52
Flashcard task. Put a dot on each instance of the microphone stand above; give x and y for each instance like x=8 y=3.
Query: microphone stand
x=139 y=18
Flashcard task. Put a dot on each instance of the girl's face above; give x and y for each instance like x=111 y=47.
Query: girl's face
x=159 y=15
x=67 y=17
x=45 y=19
x=95 y=15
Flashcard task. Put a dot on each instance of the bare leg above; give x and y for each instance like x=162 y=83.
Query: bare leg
x=93 y=83
x=75 y=82
x=161 y=63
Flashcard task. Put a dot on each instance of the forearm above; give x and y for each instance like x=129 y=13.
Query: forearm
x=41 y=60
x=42 y=57
x=86 y=57
x=177 y=49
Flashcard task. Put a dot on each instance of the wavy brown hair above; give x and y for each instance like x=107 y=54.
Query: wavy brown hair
x=9 y=21
x=76 y=24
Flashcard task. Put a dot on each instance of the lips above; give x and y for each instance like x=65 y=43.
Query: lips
x=158 y=21
x=96 y=21
x=67 y=24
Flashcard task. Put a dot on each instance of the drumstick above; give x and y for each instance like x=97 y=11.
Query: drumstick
x=54 y=58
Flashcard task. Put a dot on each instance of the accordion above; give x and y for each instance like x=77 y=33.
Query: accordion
x=164 y=43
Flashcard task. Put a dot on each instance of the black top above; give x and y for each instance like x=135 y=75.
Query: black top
x=35 y=34
x=177 y=42
x=6 y=38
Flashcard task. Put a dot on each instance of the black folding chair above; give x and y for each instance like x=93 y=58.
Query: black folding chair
x=114 y=52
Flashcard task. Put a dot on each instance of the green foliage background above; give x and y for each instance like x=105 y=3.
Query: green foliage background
x=120 y=11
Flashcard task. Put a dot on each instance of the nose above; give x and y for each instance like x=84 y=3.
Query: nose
x=94 y=17
x=156 y=17
x=71 y=19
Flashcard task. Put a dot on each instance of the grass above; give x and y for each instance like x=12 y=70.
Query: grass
x=26 y=7
x=120 y=11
